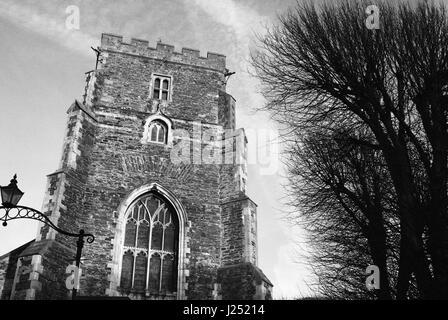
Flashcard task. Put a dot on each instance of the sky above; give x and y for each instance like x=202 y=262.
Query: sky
x=42 y=66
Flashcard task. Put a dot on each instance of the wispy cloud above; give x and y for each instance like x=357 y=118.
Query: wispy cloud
x=48 y=25
x=290 y=277
x=240 y=18
x=242 y=22
x=224 y=26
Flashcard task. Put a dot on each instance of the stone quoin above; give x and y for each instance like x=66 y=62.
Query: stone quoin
x=163 y=229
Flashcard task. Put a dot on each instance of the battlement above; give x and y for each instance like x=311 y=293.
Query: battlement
x=163 y=51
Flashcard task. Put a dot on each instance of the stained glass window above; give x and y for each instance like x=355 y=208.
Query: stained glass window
x=150 y=250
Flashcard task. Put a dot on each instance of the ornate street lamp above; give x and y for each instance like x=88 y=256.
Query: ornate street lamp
x=11 y=196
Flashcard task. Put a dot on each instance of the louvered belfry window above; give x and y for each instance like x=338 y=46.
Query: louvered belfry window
x=150 y=247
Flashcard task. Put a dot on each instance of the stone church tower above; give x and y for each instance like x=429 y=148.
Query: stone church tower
x=154 y=167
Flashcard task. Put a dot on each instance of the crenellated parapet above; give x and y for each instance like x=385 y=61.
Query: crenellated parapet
x=115 y=43
x=155 y=168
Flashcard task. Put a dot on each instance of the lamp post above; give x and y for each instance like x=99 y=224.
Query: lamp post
x=11 y=196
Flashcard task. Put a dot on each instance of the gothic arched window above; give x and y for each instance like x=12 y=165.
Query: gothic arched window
x=150 y=252
x=158 y=132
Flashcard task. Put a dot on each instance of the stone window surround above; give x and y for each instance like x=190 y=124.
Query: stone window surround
x=147 y=132
x=161 y=77
x=159 y=126
x=117 y=251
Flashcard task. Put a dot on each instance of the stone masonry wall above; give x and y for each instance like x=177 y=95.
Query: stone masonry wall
x=119 y=160
x=106 y=157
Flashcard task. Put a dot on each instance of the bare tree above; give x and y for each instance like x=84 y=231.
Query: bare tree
x=321 y=67
x=344 y=194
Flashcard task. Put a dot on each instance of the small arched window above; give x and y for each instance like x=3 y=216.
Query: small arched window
x=158 y=132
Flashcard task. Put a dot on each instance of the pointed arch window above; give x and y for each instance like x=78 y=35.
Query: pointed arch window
x=158 y=132
x=150 y=251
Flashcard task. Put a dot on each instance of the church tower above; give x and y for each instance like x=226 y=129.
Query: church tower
x=154 y=167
